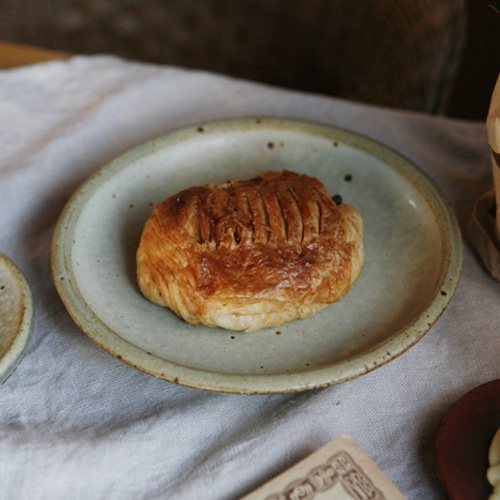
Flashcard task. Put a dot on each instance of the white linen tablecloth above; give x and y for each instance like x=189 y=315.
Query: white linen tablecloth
x=77 y=423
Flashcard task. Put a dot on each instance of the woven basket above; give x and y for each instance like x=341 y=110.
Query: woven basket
x=493 y=128
x=484 y=225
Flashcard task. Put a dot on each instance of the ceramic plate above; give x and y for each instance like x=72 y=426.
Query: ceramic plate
x=412 y=243
x=463 y=442
x=16 y=317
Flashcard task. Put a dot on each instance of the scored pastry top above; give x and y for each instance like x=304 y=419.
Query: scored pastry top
x=280 y=208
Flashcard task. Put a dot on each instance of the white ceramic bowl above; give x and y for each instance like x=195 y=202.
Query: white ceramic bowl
x=16 y=317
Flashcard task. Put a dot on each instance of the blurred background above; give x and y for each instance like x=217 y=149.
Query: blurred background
x=435 y=56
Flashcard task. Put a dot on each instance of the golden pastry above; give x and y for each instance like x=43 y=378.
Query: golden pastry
x=246 y=255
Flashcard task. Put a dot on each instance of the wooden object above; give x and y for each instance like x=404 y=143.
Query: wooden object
x=13 y=55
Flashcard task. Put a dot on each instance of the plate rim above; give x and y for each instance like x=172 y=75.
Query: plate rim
x=17 y=350
x=384 y=352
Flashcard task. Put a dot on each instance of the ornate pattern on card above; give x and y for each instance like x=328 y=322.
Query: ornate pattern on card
x=340 y=470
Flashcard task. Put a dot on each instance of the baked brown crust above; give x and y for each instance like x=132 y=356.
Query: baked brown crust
x=246 y=255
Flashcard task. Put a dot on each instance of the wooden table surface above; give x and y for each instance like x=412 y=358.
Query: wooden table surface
x=13 y=55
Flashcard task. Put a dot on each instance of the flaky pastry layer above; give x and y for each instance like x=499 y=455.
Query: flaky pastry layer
x=246 y=255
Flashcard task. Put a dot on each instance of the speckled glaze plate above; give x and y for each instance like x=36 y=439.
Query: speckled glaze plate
x=16 y=317
x=412 y=243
